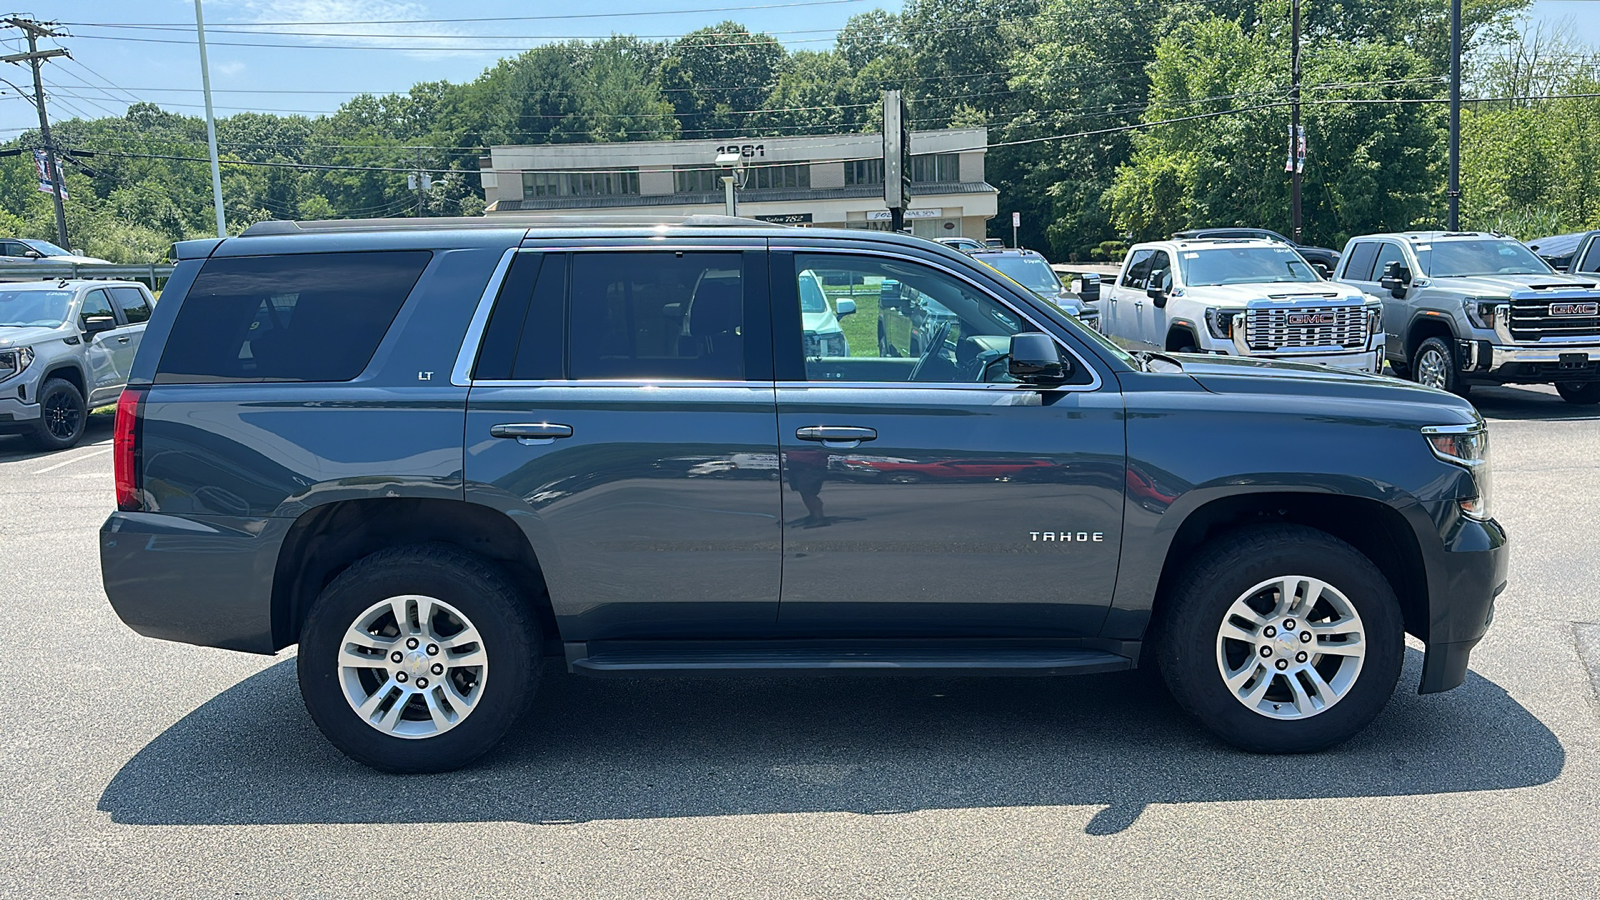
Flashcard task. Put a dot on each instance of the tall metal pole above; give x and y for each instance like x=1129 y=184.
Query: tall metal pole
x=211 y=122
x=33 y=58
x=1453 y=190
x=1295 y=221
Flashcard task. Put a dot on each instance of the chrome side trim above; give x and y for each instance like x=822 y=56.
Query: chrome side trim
x=460 y=374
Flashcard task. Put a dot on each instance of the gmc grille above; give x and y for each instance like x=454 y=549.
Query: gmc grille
x=1270 y=329
x=1530 y=320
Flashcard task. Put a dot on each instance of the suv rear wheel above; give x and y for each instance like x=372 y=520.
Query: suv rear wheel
x=418 y=659
x=1282 y=640
x=1435 y=366
x=1581 y=393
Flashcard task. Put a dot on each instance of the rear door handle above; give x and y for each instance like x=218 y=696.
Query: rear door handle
x=532 y=433
x=845 y=437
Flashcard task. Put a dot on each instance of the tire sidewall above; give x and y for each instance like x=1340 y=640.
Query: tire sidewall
x=1581 y=393
x=512 y=652
x=1189 y=648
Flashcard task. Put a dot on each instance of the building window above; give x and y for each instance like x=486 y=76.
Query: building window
x=935 y=167
x=696 y=180
x=580 y=184
x=863 y=171
x=778 y=178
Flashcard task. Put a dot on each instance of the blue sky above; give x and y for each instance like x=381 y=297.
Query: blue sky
x=108 y=71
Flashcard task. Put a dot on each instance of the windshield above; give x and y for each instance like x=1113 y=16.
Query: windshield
x=45 y=248
x=811 y=297
x=1244 y=265
x=1459 y=259
x=1031 y=272
x=34 y=307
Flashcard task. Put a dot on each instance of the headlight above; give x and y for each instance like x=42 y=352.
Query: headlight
x=1486 y=311
x=1220 y=322
x=12 y=362
x=1466 y=446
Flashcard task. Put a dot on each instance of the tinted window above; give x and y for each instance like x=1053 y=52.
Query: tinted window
x=1160 y=271
x=1387 y=253
x=657 y=315
x=1138 y=270
x=303 y=317
x=524 y=334
x=95 y=305
x=133 y=304
x=1362 y=256
x=1591 y=258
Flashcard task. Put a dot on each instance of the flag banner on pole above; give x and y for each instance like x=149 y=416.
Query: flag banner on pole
x=45 y=184
x=1300 y=150
x=1288 y=163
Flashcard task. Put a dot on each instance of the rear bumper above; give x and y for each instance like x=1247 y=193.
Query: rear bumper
x=198 y=581
x=1466 y=572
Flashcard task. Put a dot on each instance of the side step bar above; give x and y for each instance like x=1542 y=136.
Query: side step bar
x=716 y=658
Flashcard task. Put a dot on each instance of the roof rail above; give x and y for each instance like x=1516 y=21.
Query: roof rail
x=280 y=227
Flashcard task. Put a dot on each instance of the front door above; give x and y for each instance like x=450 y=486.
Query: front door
x=619 y=414
x=928 y=496
x=101 y=352
x=1153 y=317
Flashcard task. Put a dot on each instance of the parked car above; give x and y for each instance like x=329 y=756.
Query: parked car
x=962 y=244
x=819 y=321
x=1030 y=269
x=1324 y=259
x=1557 y=249
x=1240 y=297
x=65 y=348
x=17 y=250
x=321 y=444
x=1587 y=255
x=1475 y=307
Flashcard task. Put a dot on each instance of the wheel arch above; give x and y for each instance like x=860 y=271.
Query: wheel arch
x=1424 y=325
x=69 y=371
x=1175 y=332
x=326 y=540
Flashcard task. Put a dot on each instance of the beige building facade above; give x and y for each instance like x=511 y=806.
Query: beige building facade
x=833 y=181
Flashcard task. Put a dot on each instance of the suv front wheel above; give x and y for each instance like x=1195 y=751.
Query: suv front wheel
x=1282 y=639
x=418 y=659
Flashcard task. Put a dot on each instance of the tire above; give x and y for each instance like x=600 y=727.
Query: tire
x=1586 y=393
x=1434 y=365
x=62 y=416
x=1195 y=652
x=1399 y=369
x=403 y=732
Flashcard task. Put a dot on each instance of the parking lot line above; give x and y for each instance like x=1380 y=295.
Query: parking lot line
x=100 y=452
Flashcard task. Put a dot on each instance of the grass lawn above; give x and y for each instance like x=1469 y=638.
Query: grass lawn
x=861 y=329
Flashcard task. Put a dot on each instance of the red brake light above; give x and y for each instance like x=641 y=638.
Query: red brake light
x=125 y=449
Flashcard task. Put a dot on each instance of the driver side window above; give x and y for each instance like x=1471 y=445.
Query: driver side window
x=95 y=305
x=865 y=319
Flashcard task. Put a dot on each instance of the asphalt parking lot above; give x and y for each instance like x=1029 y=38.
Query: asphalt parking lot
x=132 y=767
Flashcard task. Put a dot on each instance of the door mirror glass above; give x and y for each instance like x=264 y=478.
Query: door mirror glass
x=1035 y=359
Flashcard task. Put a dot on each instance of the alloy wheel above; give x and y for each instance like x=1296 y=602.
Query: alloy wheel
x=1290 y=647
x=1431 y=369
x=61 y=414
x=412 y=666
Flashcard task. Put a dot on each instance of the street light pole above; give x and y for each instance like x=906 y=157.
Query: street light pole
x=211 y=123
x=1453 y=190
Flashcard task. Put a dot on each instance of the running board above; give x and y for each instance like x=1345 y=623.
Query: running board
x=780 y=657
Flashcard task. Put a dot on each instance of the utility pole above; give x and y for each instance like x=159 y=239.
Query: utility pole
x=33 y=57
x=1295 y=221
x=211 y=123
x=1453 y=190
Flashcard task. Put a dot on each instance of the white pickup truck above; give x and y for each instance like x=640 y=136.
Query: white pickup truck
x=1239 y=297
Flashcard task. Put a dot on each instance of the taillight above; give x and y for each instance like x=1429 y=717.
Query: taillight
x=125 y=449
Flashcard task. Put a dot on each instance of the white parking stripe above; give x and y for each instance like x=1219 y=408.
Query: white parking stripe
x=73 y=460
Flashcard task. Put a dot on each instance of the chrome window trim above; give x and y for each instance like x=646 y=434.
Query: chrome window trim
x=460 y=374
x=1095 y=384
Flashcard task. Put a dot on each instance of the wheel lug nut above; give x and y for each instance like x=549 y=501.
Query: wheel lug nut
x=396 y=656
x=1269 y=631
x=412 y=643
x=1283 y=664
x=1288 y=624
x=1300 y=657
x=1266 y=651
x=439 y=670
x=433 y=649
x=1305 y=637
x=422 y=682
x=400 y=677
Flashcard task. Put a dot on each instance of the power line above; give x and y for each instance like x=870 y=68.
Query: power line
x=459 y=21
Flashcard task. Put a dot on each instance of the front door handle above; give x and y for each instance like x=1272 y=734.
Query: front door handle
x=843 y=437
x=123 y=339
x=532 y=433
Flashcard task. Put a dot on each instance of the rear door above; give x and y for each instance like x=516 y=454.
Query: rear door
x=621 y=408
x=1587 y=259
x=133 y=309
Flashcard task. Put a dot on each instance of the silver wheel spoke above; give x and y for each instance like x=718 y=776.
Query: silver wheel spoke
x=371 y=704
x=1235 y=633
x=420 y=620
x=391 y=718
x=1253 y=698
x=1320 y=685
x=401 y=606
x=1354 y=647
x=441 y=721
x=1303 y=701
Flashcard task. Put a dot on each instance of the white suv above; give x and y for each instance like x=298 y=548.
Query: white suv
x=1240 y=297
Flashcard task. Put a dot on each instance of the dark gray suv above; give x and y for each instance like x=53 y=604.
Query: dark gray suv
x=434 y=454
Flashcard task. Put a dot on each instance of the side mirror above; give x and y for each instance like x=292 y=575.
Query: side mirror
x=93 y=325
x=1036 y=360
x=844 y=307
x=1395 y=279
x=1160 y=287
x=32 y=254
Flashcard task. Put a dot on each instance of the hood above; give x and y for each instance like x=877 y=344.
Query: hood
x=1319 y=293
x=819 y=322
x=1245 y=375
x=1504 y=285
x=27 y=335
x=1065 y=299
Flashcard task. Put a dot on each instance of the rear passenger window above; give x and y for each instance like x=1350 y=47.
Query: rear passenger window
x=133 y=304
x=663 y=315
x=1362 y=256
x=302 y=317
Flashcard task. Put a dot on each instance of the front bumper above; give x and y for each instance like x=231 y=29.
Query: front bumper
x=1369 y=361
x=16 y=416
x=1530 y=363
x=1466 y=571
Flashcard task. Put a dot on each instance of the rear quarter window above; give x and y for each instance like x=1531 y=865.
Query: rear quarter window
x=300 y=317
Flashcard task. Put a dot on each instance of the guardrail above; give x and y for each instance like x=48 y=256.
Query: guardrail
x=149 y=273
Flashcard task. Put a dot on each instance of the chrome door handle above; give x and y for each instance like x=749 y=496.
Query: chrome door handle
x=1138 y=304
x=844 y=437
x=532 y=433
x=122 y=340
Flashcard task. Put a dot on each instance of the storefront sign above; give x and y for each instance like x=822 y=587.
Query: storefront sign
x=787 y=219
x=882 y=215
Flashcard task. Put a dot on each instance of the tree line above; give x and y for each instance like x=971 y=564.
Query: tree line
x=1109 y=120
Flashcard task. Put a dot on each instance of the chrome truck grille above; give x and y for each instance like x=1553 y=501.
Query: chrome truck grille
x=1576 y=315
x=1293 y=328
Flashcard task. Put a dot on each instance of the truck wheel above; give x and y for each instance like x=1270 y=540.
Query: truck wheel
x=1399 y=369
x=418 y=659
x=1582 y=393
x=1435 y=366
x=62 y=416
x=1281 y=639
